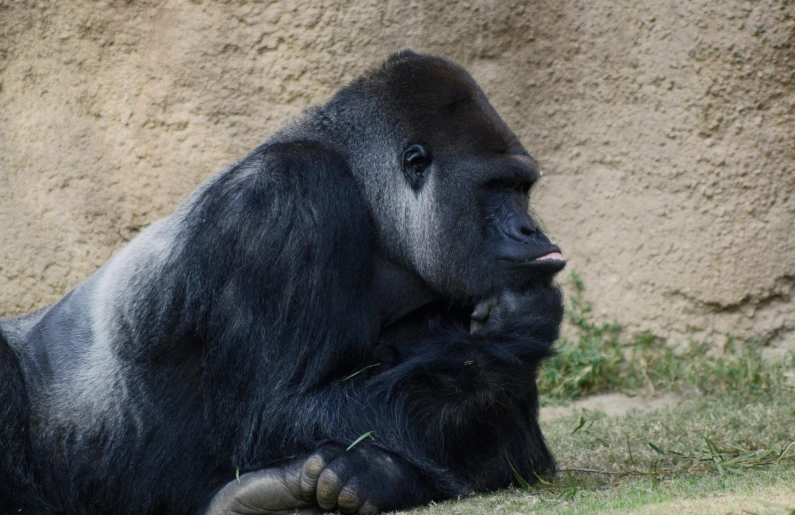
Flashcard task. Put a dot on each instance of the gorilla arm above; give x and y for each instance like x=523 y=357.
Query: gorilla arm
x=452 y=414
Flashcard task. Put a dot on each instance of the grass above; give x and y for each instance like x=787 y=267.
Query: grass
x=595 y=362
x=728 y=446
x=763 y=493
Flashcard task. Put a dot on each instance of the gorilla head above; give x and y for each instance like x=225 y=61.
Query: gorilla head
x=371 y=269
x=446 y=181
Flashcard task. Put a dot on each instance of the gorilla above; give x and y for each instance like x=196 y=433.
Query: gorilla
x=349 y=318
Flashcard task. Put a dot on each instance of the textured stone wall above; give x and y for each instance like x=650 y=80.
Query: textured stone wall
x=666 y=131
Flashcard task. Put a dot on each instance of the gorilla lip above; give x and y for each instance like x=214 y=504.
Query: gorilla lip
x=552 y=256
x=549 y=262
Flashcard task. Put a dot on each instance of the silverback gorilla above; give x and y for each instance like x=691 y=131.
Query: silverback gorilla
x=371 y=268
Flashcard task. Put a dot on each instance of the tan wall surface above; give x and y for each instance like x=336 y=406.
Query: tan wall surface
x=666 y=131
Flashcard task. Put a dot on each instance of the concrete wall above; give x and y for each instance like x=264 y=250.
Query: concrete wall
x=666 y=131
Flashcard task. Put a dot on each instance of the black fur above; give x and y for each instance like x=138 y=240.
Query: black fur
x=223 y=337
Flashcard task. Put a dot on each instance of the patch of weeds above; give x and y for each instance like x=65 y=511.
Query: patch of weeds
x=596 y=362
x=733 y=425
x=707 y=445
x=707 y=458
x=589 y=364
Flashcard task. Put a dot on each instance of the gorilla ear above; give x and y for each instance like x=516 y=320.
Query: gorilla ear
x=416 y=160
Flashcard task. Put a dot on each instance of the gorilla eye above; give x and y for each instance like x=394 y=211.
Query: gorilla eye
x=520 y=188
x=416 y=159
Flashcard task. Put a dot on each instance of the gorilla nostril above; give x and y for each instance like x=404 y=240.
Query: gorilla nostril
x=525 y=230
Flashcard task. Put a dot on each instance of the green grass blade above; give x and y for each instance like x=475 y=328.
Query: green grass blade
x=360 y=371
x=656 y=449
x=368 y=434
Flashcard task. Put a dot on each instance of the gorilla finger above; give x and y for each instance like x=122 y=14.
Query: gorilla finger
x=328 y=489
x=483 y=308
x=313 y=467
x=480 y=314
x=332 y=480
x=350 y=500
x=476 y=327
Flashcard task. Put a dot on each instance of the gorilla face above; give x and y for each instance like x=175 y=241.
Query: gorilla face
x=462 y=180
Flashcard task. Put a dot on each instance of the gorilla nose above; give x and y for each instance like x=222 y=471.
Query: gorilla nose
x=524 y=232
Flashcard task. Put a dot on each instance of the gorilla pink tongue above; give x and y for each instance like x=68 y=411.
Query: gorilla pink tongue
x=556 y=256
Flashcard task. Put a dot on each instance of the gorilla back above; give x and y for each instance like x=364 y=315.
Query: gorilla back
x=371 y=269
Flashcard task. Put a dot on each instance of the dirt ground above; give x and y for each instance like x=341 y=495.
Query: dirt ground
x=666 y=132
x=611 y=404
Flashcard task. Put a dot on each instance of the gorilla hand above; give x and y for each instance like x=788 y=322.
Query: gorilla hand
x=511 y=310
x=364 y=480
